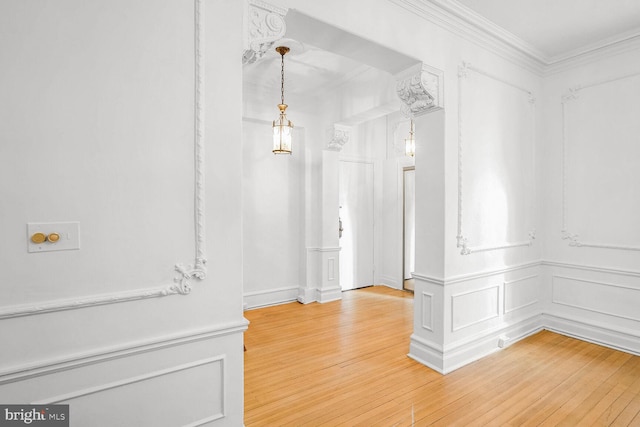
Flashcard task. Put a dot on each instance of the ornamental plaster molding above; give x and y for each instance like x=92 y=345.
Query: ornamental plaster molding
x=573 y=239
x=420 y=88
x=338 y=136
x=264 y=26
x=185 y=273
x=462 y=242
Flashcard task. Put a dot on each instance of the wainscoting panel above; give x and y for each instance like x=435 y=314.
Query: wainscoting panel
x=598 y=297
x=427 y=311
x=179 y=380
x=596 y=304
x=471 y=308
x=521 y=293
x=166 y=388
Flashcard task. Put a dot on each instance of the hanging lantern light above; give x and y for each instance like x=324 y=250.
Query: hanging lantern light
x=282 y=127
x=410 y=143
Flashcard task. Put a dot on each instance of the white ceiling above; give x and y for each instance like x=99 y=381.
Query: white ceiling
x=552 y=29
x=558 y=28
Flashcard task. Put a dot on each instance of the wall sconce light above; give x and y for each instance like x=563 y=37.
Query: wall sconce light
x=282 y=127
x=410 y=143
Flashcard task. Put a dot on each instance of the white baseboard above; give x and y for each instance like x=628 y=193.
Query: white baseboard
x=328 y=295
x=390 y=282
x=306 y=295
x=456 y=355
x=269 y=297
x=627 y=341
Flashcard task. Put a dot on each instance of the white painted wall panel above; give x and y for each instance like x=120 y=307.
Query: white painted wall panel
x=521 y=293
x=600 y=297
x=601 y=156
x=496 y=162
x=471 y=308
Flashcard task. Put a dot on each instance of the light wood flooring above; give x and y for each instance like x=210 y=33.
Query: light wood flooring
x=345 y=363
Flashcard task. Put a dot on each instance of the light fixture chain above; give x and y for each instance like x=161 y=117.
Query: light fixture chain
x=282 y=78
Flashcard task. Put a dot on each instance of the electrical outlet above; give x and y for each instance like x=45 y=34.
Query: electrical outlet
x=58 y=236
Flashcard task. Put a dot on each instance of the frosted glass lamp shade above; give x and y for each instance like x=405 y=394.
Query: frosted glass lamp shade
x=282 y=130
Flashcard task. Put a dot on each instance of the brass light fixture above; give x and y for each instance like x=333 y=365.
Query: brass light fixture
x=282 y=127
x=410 y=143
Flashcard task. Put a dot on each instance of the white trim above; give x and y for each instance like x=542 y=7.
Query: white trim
x=573 y=239
x=198 y=270
x=593 y=310
x=472 y=276
x=511 y=282
x=425 y=325
x=473 y=27
x=74 y=361
x=269 y=297
x=617 y=339
x=596 y=269
x=145 y=377
x=462 y=241
x=475 y=322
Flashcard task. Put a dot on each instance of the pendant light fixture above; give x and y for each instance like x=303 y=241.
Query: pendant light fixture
x=410 y=143
x=282 y=127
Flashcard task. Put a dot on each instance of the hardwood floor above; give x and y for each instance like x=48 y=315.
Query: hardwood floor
x=345 y=363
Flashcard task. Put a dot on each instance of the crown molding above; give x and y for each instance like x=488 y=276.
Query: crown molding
x=464 y=22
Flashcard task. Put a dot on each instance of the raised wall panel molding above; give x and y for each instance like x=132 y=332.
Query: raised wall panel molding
x=596 y=269
x=462 y=241
x=510 y=284
x=629 y=294
x=75 y=361
x=338 y=137
x=573 y=239
x=458 y=306
x=427 y=311
x=474 y=276
x=264 y=26
x=420 y=88
x=197 y=270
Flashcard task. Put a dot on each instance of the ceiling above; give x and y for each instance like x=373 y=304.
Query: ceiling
x=558 y=28
x=553 y=29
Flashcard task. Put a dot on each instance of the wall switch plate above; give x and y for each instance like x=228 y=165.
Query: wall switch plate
x=69 y=233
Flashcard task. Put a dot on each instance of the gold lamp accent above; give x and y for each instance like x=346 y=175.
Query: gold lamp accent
x=282 y=127
x=410 y=143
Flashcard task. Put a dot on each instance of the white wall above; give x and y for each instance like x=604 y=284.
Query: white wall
x=592 y=280
x=98 y=127
x=273 y=217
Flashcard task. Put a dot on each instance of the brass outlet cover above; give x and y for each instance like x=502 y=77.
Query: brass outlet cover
x=53 y=237
x=38 y=238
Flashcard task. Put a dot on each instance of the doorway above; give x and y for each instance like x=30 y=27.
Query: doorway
x=357 y=217
x=408 y=227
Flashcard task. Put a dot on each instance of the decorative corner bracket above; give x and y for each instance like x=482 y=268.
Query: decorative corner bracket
x=264 y=26
x=338 y=136
x=420 y=88
x=571 y=238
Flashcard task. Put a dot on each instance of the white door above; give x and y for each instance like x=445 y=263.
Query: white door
x=356 y=213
